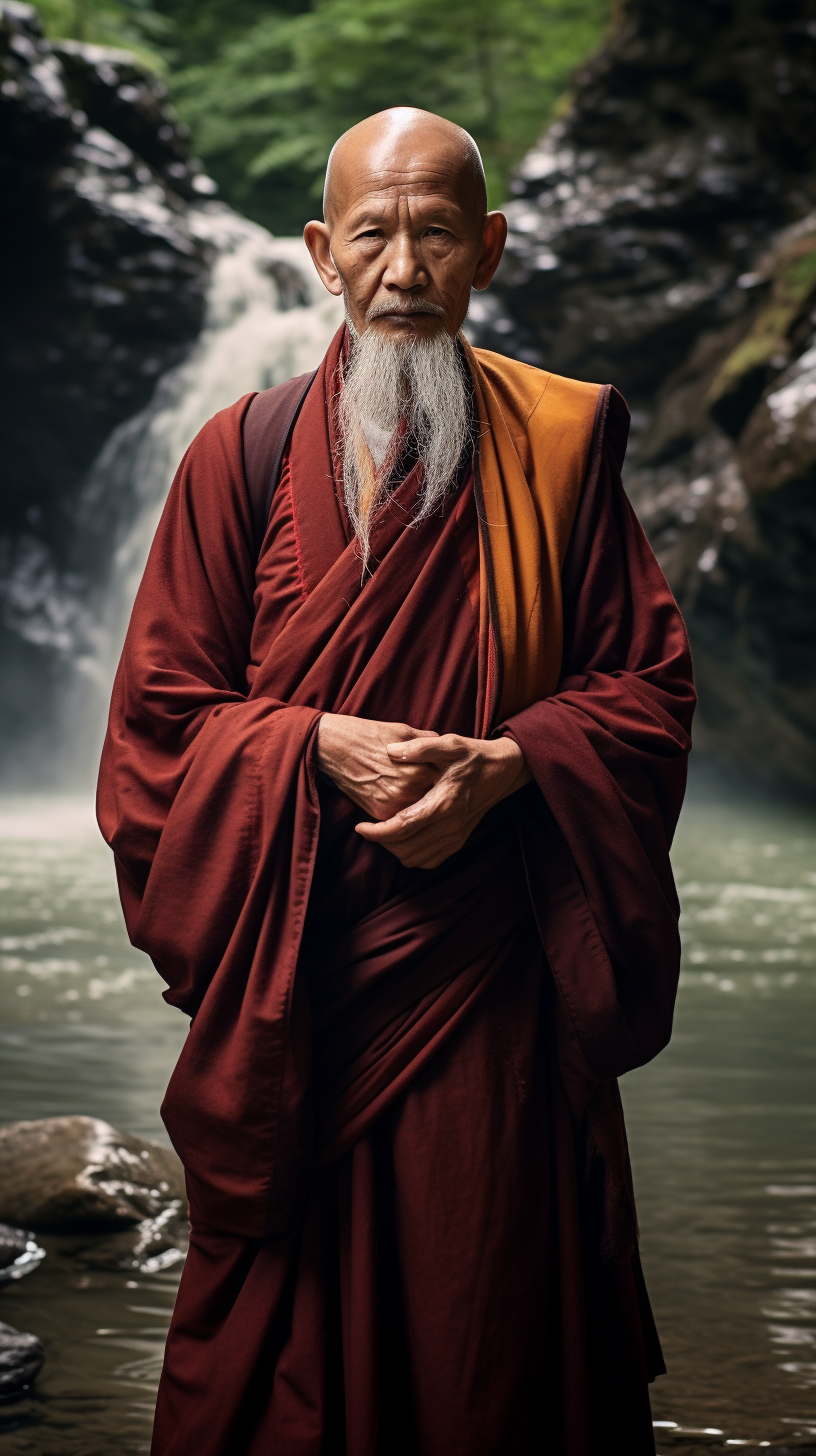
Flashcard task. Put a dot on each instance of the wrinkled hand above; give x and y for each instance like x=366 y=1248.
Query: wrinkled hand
x=353 y=753
x=471 y=775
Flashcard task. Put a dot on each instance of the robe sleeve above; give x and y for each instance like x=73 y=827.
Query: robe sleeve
x=608 y=754
x=207 y=796
x=198 y=781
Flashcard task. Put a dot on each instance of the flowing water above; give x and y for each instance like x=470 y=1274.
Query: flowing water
x=268 y=319
x=722 y=1128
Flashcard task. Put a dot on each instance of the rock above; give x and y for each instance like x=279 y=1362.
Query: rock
x=153 y=1245
x=78 y=1174
x=790 y=273
x=689 y=141
x=21 y=1358
x=102 y=288
x=103 y=278
x=663 y=238
x=731 y=512
x=19 y=1253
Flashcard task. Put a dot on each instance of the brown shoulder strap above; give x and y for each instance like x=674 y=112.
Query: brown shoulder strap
x=267 y=429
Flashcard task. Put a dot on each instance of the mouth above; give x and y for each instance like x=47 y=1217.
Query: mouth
x=419 y=309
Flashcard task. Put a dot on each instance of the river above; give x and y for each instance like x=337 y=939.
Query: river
x=721 y=1127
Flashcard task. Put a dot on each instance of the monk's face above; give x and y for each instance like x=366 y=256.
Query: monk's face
x=406 y=235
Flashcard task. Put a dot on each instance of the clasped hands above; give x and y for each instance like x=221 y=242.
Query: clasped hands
x=424 y=793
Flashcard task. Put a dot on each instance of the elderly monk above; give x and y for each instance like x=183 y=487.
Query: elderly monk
x=391 y=779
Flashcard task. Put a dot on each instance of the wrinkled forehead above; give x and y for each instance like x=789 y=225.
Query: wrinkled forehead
x=423 y=165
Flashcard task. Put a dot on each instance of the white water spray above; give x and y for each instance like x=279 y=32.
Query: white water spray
x=268 y=318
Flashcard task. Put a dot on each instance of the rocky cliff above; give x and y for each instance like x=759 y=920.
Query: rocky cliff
x=102 y=277
x=662 y=237
x=101 y=288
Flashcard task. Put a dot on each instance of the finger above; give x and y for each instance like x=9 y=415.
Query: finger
x=406 y=732
x=396 y=830
x=423 y=851
x=428 y=861
x=405 y=825
x=387 y=832
x=426 y=749
x=426 y=851
x=368 y=830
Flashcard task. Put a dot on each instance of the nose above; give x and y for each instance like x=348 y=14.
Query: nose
x=404 y=256
x=404 y=264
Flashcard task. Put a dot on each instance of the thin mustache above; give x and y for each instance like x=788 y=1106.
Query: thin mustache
x=411 y=305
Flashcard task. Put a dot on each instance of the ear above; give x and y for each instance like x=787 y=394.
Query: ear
x=317 y=238
x=494 y=237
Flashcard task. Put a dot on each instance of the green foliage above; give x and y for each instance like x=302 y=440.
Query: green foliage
x=267 y=88
x=266 y=112
x=132 y=25
x=202 y=29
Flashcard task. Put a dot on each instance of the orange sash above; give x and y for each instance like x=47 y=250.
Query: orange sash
x=535 y=438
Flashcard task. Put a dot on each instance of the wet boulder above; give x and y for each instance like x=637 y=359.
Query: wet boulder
x=80 y=1175
x=150 y=1246
x=21 y=1358
x=19 y=1253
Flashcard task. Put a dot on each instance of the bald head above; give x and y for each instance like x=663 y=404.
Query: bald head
x=398 y=144
x=406 y=234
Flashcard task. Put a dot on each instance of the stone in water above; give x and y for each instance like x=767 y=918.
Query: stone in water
x=78 y=1174
x=21 y=1357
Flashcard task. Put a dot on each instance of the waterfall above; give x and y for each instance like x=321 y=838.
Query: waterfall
x=268 y=318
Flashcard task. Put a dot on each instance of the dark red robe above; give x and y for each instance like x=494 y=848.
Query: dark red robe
x=411 y=1218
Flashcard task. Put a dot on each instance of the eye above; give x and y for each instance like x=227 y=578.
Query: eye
x=371 y=233
x=436 y=232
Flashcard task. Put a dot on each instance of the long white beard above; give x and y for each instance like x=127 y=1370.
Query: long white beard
x=387 y=380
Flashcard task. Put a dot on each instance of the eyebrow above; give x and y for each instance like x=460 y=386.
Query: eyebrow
x=374 y=212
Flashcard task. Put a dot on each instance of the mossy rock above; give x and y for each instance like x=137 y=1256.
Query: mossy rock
x=766 y=349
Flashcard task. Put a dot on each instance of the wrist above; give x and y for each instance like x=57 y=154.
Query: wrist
x=324 y=743
x=514 y=764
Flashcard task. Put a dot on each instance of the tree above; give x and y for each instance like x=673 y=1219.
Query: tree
x=266 y=112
